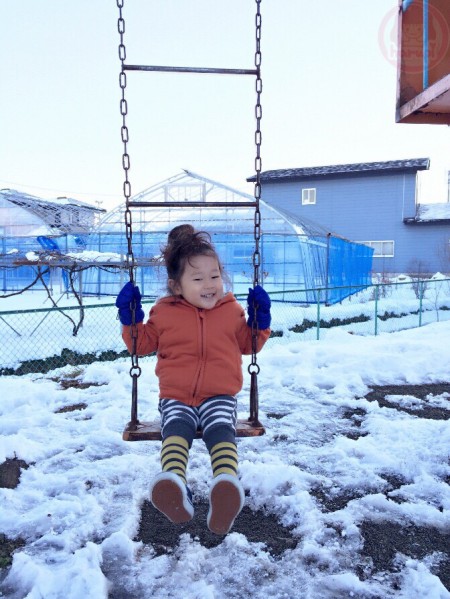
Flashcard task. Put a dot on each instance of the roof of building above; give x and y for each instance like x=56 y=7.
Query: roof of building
x=64 y=215
x=341 y=170
x=25 y=199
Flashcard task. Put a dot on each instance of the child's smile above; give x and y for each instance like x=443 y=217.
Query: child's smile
x=201 y=283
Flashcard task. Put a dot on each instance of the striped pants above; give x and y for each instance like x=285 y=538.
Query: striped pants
x=216 y=416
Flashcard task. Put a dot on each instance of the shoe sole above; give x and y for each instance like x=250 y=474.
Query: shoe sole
x=168 y=498
x=225 y=505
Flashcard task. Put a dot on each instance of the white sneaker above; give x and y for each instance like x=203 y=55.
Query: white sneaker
x=172 y=497
x=226 y=500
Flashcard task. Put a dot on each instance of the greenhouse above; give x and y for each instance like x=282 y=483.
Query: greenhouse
x=298 y=261
x=30 y=225
x=295 y=257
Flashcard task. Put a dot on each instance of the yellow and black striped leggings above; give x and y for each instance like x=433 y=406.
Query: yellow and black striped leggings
x=216 y=417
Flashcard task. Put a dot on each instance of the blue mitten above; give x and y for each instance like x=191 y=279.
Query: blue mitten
x=124 y=301
x=259 y=298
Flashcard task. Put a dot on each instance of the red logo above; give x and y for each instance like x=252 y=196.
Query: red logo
x=412 y=38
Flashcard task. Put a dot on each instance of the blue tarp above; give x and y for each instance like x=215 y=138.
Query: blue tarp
x=296 y=265
x=299 y=268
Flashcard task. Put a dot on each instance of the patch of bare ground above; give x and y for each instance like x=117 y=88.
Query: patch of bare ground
x=378 y=393
x=72 y=408
x=257 y=526
x=384 y=541
x=10 y=471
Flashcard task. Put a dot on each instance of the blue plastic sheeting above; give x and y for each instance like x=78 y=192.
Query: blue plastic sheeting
x=349 y=268
x=19 y=277
x=51 y=245
x=322 y=269
x=299 y=268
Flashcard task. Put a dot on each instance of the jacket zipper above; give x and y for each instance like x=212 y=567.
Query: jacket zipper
x=201 y=321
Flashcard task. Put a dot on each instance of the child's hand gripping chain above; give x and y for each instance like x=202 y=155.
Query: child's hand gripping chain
x=259 y=298
x=127 y=295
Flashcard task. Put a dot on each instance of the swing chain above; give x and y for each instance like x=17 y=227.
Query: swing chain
x=135 y=370
x=254 y=368
x=258 y=139
x=125 y=139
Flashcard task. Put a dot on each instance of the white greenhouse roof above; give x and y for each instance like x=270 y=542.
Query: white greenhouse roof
x=27 y=215
x=190 y=187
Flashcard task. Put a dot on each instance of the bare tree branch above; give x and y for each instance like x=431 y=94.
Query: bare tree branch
x=38 y=277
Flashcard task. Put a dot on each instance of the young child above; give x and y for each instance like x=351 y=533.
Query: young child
x=199 y=333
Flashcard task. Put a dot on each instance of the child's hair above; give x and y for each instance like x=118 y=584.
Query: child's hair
x=183 y=243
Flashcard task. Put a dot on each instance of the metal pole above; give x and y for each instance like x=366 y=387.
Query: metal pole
x=327 y=267
x=420 y=301
x=376 y=309
x=150 y=204
x=207 y=70
x=318 y=316
x=425 y=44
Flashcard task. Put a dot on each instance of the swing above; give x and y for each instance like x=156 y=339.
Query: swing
x=136 y=430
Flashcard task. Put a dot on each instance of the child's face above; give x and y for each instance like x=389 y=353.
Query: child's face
x=201 y=283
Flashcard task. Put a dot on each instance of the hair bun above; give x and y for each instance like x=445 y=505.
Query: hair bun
x=180 y=233
x=183 y=243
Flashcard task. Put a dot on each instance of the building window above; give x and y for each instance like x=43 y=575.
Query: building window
x=308 y=196
x=382 y=249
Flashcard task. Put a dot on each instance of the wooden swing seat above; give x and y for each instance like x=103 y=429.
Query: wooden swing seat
x=151 y=431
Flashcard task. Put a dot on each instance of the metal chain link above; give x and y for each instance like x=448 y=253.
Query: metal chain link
x=135 y=370
x=125 y=139
x=253 y=367
x=258 y=139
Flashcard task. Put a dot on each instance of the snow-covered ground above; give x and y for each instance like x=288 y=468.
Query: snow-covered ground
x=78 y=505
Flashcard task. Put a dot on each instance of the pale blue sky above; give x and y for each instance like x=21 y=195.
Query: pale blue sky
x=328 y=93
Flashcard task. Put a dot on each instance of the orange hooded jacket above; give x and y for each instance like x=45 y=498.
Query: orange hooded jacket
x=199 y=351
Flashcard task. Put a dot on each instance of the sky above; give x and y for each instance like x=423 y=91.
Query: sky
x=329 y=94
x=78 y=505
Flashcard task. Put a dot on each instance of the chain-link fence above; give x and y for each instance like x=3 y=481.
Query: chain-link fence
x=41 y=340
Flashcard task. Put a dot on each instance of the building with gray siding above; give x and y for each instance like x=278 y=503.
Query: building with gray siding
x=372 y=203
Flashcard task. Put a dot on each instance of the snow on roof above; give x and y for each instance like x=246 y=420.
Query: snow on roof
x=64 y=215
x=430 y=212
x=26 y=199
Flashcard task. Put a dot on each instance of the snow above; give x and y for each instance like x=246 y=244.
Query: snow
x=78 y=504
x=438 y=211
x=91 y=256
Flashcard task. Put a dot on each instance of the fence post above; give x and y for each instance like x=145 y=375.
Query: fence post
x=4 y=270
x=80 y=292
x=327 y=273
x=420 y=301
x=376 y=309
x=318 y=316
